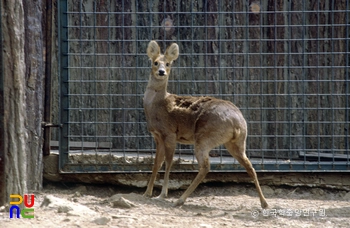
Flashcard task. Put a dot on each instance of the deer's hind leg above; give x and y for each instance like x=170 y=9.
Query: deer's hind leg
x=237 y=150
x=202 y=155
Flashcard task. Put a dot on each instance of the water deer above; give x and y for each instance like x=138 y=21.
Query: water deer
x=205 y=122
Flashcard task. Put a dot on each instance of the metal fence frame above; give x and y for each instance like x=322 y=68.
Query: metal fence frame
x=136 y=159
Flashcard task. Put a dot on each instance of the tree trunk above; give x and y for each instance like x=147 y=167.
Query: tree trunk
x=15 y=133
x=34 y=20
x=23 y=76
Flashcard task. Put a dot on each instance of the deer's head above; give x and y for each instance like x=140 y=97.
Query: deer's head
x=161 y=64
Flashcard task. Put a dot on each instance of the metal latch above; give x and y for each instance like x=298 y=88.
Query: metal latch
x=45 y=124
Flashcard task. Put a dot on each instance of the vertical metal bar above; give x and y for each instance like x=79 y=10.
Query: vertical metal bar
x=123 y=77
x=304 y=72
x=150 y=38
x=109 y=76
x=192 y=55
x=48 y=59
x=178 y=83
x=246 y=65
x=220 y=24
x=150 y=18
x=192 y=62
x=289 y=63
x=302 y=94
x=137 y=82
x=178 y=37
x=318 y=79
x=332 y=81
x=220 y=27
x=164 y=17
x=262 y=74
x=276 y=77
x=347 y=82
x=81 y=55
x=289 y=92
x=95 y=51
x=275 y=84
x=263 y=118
x=63 y=48
x=233 y=56
x=206 y=62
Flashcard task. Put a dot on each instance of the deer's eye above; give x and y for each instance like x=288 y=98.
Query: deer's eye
x=156 y=63
x=167 y=64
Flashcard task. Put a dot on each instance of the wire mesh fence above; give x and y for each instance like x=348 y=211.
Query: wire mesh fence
x=284 y=64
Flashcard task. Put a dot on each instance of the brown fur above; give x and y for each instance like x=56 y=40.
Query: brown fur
x=206 y=122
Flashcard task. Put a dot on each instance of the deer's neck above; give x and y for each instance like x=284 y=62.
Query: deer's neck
x=156 y=90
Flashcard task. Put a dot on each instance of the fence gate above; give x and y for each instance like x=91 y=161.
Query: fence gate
x=285 y=64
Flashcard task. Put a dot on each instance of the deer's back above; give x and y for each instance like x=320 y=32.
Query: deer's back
x=187 y=116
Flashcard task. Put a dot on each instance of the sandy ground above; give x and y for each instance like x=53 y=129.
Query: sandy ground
x=211 y=205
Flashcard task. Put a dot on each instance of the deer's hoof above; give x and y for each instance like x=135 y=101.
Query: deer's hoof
x=264 y=205
x=148 y=195
x=160 y=197
x=178 y=203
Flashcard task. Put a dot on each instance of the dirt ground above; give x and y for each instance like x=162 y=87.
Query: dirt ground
x=211 y=205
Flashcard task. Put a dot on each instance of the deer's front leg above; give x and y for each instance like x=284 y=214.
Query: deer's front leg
x=169 y=145
x=158 y=162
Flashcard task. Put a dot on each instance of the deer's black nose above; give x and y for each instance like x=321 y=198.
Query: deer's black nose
x=161 y=72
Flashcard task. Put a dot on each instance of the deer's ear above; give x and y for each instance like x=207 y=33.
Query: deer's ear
x=172 y=52
x=153 y=50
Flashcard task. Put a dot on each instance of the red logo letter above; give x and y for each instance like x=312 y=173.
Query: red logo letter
x=31 y=200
